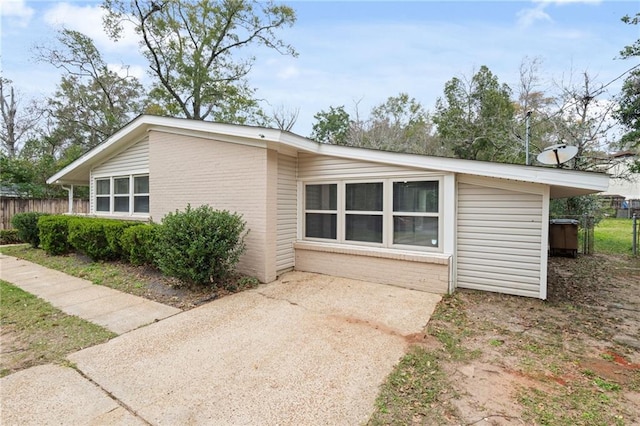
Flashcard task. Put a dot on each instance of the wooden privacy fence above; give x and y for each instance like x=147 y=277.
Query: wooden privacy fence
x=10 y=206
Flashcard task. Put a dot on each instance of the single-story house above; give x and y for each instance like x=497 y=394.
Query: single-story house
x=416 y=221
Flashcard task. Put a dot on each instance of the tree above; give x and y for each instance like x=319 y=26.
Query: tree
x=399 y=124
x=91 y=102
x=285 y=119
x=332 y=126
x=584 y=119
x=475 y=117
x=628 y=113
x=195 y=48
x=536 y=107
x=17 y=122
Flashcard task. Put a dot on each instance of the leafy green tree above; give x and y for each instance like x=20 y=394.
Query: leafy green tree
x=200 y=52
x=629 y=112
x=475 y=117
x=632 y=49
x=92 y=101
x=400 y=124
x=332 y=126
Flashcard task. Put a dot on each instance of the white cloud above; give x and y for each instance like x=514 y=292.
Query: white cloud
x=18 y=11
x=88 y=20
x=528 y=17
x=287 y=73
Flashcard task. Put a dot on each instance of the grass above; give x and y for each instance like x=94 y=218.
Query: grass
x=34 y=332
x=102 y=273
x=411 y=389
x=614 y=236
x=588 y=404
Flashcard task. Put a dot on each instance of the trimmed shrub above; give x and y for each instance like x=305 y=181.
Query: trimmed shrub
x=27 y=226
x=200 y=245
x=97 y=238
x=113 y=230
x=54 y=234
x=138 y=244
x=9 y=236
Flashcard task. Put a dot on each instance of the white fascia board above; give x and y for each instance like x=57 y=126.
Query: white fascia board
x=595 y=182
x=265 y=137
x=130 y=130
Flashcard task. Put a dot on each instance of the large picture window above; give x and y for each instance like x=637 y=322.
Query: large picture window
x=388 y=213
x=122 y=194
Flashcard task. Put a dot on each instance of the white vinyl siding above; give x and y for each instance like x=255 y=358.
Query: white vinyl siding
x=315 y=167
x=131 y=161
x=499 y=240
x=287 y=212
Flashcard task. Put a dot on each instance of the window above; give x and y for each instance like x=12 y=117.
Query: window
x=141 y=194
x=363 y=205
x=415 y=213
x=122 y=194
x=321 y=211
x=103 y=195
x=387 y=213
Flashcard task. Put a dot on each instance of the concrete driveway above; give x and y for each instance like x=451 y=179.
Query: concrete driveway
x=306 y=349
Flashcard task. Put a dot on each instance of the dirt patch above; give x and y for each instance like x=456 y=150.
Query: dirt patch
x=173 y=292
x=573 y=359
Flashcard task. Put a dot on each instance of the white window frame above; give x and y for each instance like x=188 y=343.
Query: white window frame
x=344 y=212
x=305 y=211
x=387 y=212
x=438 y=214
x=134 y=195
x=126 y=195
x=112 y=195
x=103 y=196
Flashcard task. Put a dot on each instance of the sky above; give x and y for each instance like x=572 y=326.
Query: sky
x=357 y=54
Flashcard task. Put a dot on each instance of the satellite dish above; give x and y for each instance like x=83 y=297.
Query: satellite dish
x=557 y=154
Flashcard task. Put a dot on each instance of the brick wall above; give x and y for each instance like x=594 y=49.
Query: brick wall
x=416 y=272
x=190 y=170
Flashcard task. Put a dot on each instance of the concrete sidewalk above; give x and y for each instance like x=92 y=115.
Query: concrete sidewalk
x=116 y=311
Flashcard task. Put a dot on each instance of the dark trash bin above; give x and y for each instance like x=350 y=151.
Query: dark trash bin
x=563 y=237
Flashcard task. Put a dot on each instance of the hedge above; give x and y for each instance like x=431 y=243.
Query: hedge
x=54 y=233
x=9 y=236
x=138 y=244
x=97 y=238
x=27 y=226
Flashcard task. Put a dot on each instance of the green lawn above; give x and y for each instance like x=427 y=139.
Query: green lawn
x=34 y=332
x=614 y=236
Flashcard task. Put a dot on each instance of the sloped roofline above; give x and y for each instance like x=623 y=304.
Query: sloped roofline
x=562 y=182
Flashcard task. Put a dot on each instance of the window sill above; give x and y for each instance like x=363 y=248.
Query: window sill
x=385 y=253
x=135 y=217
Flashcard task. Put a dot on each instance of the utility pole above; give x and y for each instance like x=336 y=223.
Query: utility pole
x=527 y=132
